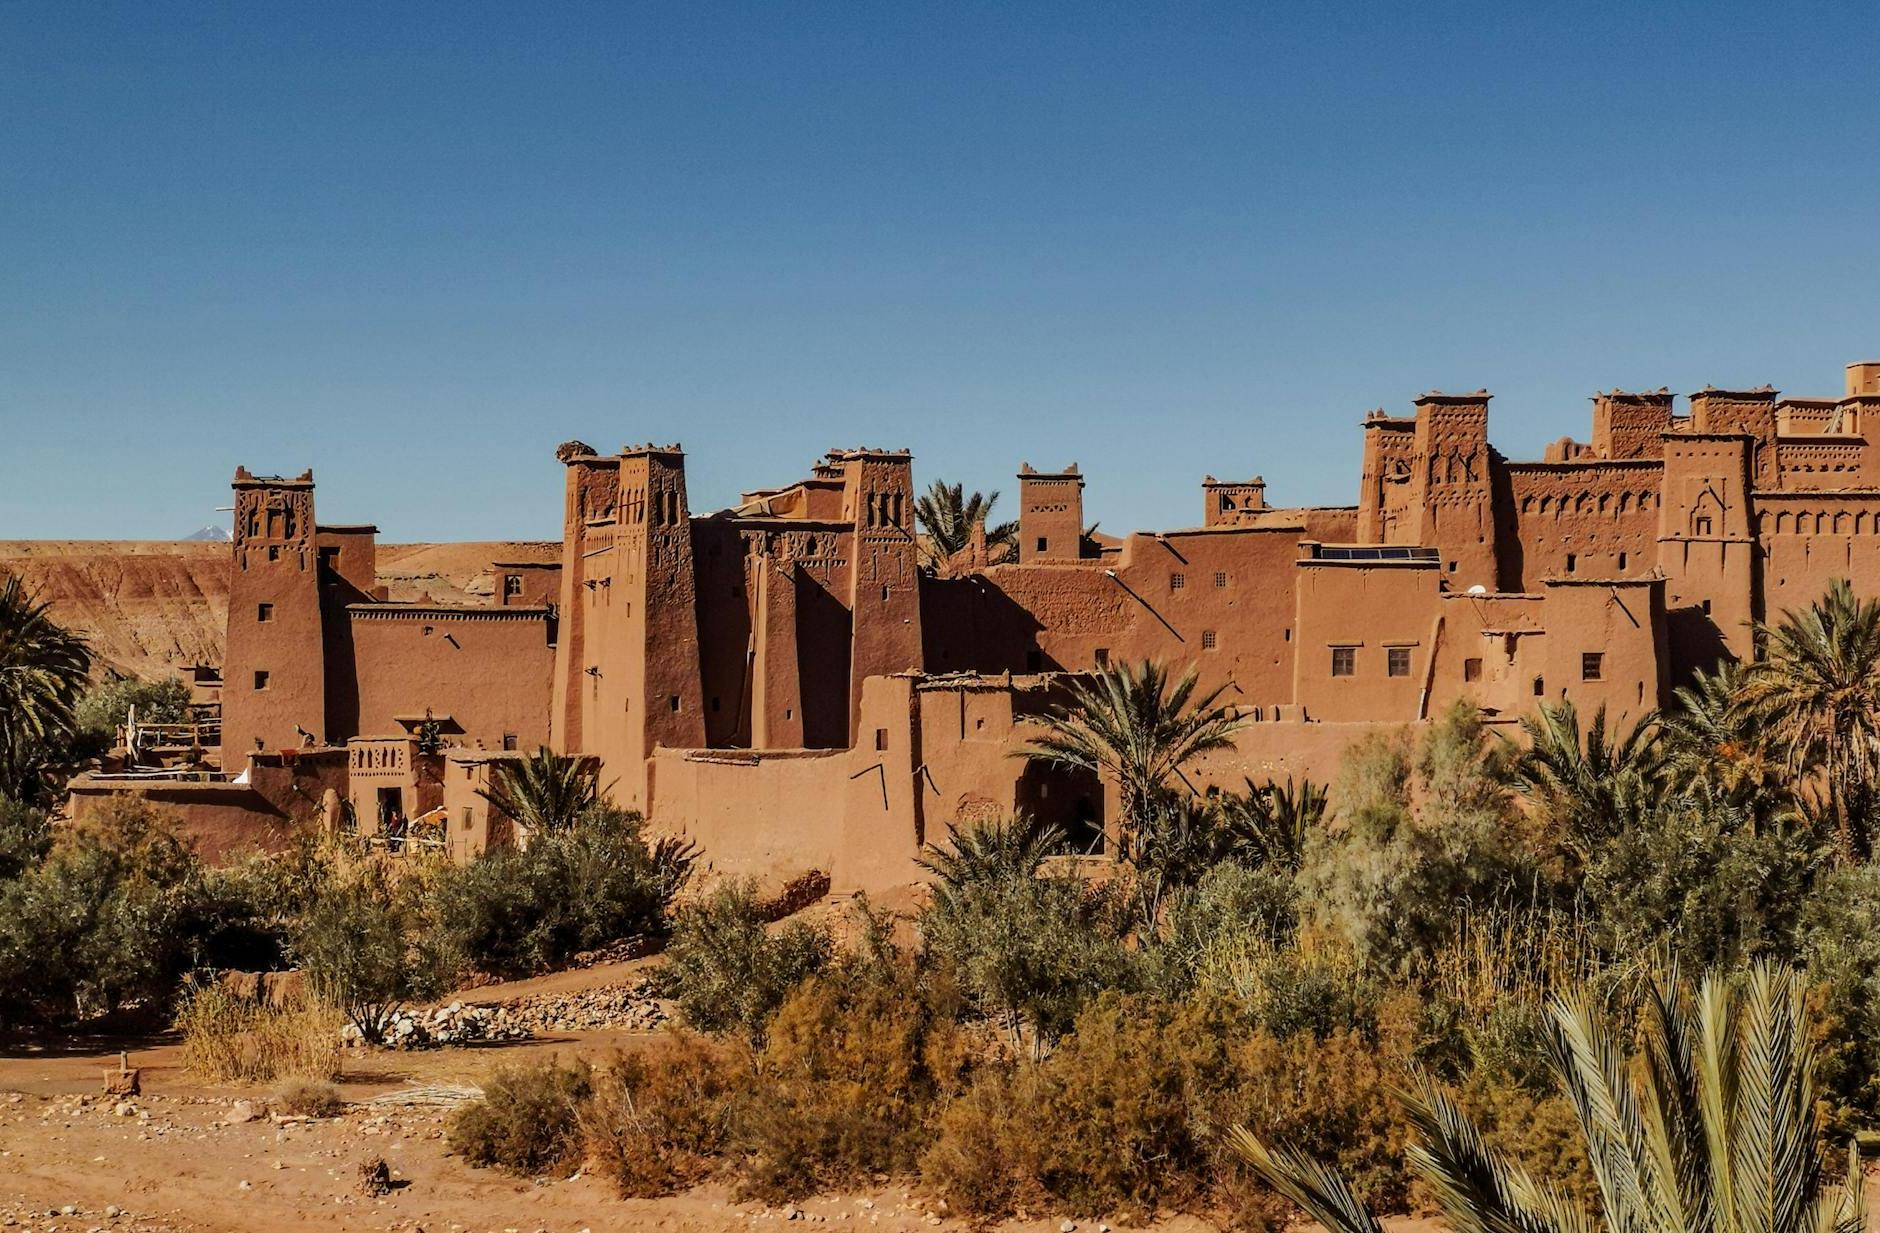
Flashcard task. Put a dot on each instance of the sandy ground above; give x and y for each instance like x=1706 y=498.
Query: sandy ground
x=73 y=1159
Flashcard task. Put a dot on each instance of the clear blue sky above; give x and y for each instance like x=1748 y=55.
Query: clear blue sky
x=415 y=247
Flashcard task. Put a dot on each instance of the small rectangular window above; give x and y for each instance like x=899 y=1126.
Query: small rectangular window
x=1570 y=562
x=1591 y=664
x=1344 y=660
x=881 y=738
x=1220 y=578
x=1397 y=661
x=264 y=612
x=512 y=585
x=1177 y=581
x=1103 y=657
x=1703 y=526
x=509 y=741
x=261 y=680
x=1540 y=686
x=675 y=703
x=1622 y=561
x=1471 y=669
x=1043 y=543
x=1706 y=607
x=1207 y=640
x=1452 y=567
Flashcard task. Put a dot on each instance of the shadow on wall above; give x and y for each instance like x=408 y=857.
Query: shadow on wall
x=970 y=624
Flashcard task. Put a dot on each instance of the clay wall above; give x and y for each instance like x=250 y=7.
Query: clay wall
x=754 y=813
x=1387 y=513
x=1628 y=426
x=1352 y=616
x=487 y=669
x=1810 y=539
x=526 y=584
x=1586 y=518
x=274 y=681
x=1492 y=650
x=1050 y=515
x=1606 y=647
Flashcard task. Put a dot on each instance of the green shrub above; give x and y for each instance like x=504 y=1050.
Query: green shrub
x=108 y=917
x=105 y=707
x=661 y=1121
x=1033 y=951
x=1706 y=874
x=727 y=972
x=515 y=911
x=363 y=946
x=1424 y=829
x=854 y=1066
x=1839 y=937
x=527 y=1121
x=25 y=838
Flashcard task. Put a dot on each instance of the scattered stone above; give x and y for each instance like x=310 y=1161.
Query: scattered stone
x=243 y=1111
x=1067 y=1226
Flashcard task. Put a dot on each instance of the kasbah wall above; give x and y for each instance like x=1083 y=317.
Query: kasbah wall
x=782 y=681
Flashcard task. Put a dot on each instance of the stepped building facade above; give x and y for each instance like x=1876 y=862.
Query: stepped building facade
x=785 y=681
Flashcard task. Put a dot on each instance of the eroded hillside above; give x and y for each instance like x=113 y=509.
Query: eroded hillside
x=150 y=605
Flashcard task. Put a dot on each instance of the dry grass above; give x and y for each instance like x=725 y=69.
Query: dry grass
x=230 y=1039
x=308 y=1098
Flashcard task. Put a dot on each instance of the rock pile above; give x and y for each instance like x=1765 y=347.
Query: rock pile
x=609 y=1007
x=459 y=1023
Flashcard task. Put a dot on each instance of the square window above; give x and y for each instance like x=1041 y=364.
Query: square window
x=1344 y=660
x=1207 y=640
x=261 y=680
x=509 y=741
x=1591 y=665
x=1103 y=657
x=1220 y=578
x=1177 y=581
x=1397 y=661
x=1471 y=669
x=264 y=612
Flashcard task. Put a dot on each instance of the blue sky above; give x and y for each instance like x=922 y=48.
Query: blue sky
x=415 y=247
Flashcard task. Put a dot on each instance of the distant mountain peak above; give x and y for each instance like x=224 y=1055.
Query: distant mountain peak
x=214 y=535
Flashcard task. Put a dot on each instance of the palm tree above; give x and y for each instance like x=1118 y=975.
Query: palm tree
x=1710 y=737
x=1590 y=783
x=43 y=670
x=990 y=851
x=1712 y=1130
x=947 y=514
x=1817 y=693
x=1269 y=823
x=543 y=792
x=1138 y=726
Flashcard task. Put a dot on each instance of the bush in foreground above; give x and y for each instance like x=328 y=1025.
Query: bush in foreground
x=528 y=1119
x=728 y=972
